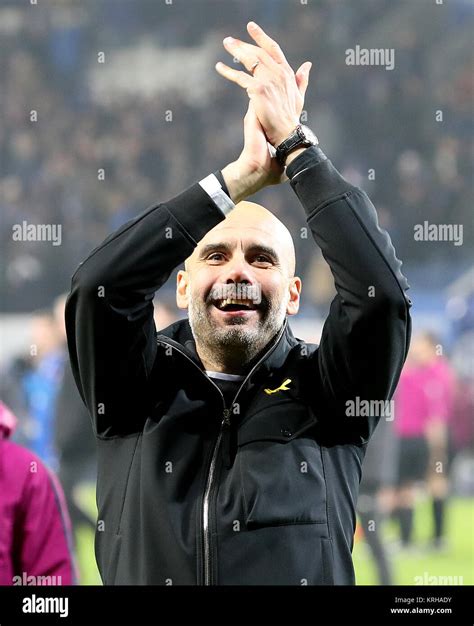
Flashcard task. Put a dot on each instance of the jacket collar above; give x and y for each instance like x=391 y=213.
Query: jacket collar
x=276 y=350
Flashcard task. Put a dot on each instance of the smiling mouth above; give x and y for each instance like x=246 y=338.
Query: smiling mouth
x=231 y=305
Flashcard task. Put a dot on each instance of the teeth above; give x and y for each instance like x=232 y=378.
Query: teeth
x=227 y=301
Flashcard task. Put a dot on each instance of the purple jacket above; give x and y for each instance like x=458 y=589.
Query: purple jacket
x=35 y=532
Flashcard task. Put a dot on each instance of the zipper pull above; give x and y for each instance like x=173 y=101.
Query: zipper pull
x=225 y=424
x=225 y=418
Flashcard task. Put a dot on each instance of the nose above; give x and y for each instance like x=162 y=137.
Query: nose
x=237 y=271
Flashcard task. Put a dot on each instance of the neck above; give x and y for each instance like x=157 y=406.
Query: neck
x=224 y=361
x=236 y=360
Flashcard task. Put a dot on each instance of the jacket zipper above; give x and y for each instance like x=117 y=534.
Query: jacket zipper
x=206 y=500
x=225 y=423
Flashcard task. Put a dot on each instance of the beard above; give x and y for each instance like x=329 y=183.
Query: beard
x=240 y=336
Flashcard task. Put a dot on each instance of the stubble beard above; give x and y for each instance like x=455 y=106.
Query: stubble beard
x=239 y=338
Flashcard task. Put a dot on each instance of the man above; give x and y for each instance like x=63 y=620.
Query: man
x=74 y=440
x=41 y=383
x=424 y=409
x=225 y=452
x=35 y=537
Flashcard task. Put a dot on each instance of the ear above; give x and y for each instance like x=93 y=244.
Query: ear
x=182 y=285
x=295 y=291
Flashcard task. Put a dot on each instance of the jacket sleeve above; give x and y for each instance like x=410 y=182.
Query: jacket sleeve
x=366 y=335
x=109 y=310
x=45 y=548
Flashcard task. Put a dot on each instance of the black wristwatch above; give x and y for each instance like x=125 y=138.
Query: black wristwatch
x=302 y=136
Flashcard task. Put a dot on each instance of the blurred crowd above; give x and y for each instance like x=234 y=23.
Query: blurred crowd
x=367 y=118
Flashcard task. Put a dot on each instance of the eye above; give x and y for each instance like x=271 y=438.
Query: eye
x=212 y=256
x=262 y=258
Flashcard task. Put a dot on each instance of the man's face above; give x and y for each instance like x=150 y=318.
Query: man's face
x=422 y=350
x=44 y=333
x=239 y=284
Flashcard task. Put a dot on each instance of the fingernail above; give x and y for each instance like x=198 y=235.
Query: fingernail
x=228 y=40
x=252 y=25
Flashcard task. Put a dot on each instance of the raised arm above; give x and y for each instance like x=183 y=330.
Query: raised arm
x=366 y=335
x=109 y=311
x=367 y=332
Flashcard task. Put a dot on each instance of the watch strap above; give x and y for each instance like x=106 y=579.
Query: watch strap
x=295 y=140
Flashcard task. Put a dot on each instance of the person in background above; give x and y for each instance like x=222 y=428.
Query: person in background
x=439 y=386
x=73 y=439
x=413 y=451
x=423 y=407
x=12 y=391
x=35 y=537
x=378 y=475
x=41 y=384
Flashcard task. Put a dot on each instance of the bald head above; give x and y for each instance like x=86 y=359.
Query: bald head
x=238 y=287
x=254 y=222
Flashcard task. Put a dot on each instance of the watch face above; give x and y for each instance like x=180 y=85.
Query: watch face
x=309 y=135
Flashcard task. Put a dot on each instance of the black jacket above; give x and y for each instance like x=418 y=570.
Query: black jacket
x=192 y=492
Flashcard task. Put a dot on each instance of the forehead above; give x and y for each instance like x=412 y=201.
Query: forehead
x=235 y=235
x=242 y=233
x=264 y=230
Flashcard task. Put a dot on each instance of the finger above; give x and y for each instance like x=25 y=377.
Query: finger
x=302 y=76
x=240 y=78
x=266 y=42
x=247 y=53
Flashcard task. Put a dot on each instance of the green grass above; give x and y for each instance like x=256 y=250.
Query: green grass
x=457 y=560
x=85 y=557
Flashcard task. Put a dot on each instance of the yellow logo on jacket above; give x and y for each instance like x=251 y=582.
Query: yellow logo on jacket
x=282 y=387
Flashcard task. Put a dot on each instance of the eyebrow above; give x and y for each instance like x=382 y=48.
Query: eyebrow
x=222 y=246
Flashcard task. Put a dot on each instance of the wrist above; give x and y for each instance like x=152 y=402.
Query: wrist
x=234 y=182
x=241 y=184
x=296 y=142
x=284 y=134
x=295 y=153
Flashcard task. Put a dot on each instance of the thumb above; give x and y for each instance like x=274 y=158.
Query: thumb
x=252 y=126
x=302 y=76
x=251 y=122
